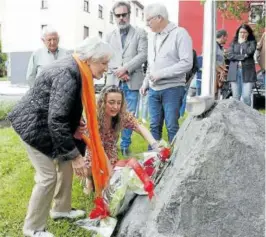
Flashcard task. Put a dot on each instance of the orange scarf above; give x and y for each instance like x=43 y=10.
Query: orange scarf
x=99 y=162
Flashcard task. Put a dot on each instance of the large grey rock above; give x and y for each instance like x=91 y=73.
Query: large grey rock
x=215 y=187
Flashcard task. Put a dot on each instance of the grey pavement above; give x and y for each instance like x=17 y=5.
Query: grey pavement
x=13 y=92
x=10 y=91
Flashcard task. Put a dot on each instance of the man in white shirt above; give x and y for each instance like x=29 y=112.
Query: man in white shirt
x=46 y=55
x=169 y=59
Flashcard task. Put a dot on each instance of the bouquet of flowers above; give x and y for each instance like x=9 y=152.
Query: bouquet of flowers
x=130 y=177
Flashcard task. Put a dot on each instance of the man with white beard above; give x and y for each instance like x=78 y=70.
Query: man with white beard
x=125 y=68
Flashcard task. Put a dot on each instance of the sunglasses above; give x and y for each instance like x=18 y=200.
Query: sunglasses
x=119 y=15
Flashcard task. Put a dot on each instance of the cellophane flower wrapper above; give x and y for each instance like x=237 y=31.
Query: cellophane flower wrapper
x=115 y=192
x=99 y=227
x=123 y=186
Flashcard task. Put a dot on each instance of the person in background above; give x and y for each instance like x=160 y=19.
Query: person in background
x=221 y=39
x=195 y=84
x=261 y=55
x=170 y=57
x=125 y=69
x=191 y=76
x=242 y=72
x=46 y=55
x=142 y=110
x=221 y=71
x=47 y=119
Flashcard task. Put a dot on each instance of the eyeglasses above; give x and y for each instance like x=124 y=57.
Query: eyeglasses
x=148 y=21
x=119 y=15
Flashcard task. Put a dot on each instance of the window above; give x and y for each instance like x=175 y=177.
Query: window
x=86 y=32
x=257 y=12
x=86 y=6
x=100 y=12
x=43 y=27
x=100 y=34
x=137 y=12
x=111 y=18
x=44 y=4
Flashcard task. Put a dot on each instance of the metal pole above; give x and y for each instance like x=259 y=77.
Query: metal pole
x=209 y=48
x=197 y=105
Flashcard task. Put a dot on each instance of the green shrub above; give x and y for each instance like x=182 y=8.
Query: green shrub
x=3 y=79
x=5 y=108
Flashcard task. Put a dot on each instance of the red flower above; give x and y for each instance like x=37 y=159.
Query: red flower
x=149 y=170
x=165 y=154
x=101 y=209
x=149 y=162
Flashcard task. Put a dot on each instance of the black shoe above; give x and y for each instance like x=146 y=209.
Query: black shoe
x=125 y=152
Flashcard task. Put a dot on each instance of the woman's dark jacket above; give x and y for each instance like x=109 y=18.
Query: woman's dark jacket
x=48 y=115
x=247 y=59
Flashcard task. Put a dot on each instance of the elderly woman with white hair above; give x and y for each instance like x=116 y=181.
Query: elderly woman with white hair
x=47 y=118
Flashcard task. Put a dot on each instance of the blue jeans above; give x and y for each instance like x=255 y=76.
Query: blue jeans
x=240 y=88
x=131 y=97
x=184 y=103
x=198 y=87
x=165 y=105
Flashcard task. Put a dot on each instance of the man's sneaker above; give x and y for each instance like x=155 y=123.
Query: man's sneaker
x=73 y=214
x=30 y=233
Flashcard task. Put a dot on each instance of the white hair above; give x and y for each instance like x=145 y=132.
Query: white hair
x=156 y=9
x=94 y=49
x=48 y=30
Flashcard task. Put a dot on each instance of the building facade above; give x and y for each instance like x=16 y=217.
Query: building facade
x=23 y=21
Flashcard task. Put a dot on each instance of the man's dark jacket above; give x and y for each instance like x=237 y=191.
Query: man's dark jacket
x=48 y=115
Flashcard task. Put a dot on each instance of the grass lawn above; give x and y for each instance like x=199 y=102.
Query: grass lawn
x=16 y=182
x=5 y=108
x=3 y=78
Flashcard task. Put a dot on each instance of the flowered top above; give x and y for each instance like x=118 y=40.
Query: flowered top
x=110 y=138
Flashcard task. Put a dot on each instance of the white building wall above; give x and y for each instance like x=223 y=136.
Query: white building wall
x=1 y=16
x=136 y=19
x=91 y=19
x=22 y=20
x=63 y=16
x=2 y=6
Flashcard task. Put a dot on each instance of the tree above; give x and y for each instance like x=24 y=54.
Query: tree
x=3 y=58
x=235 y=9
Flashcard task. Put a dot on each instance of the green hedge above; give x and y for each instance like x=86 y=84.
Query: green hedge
x=5 y=108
